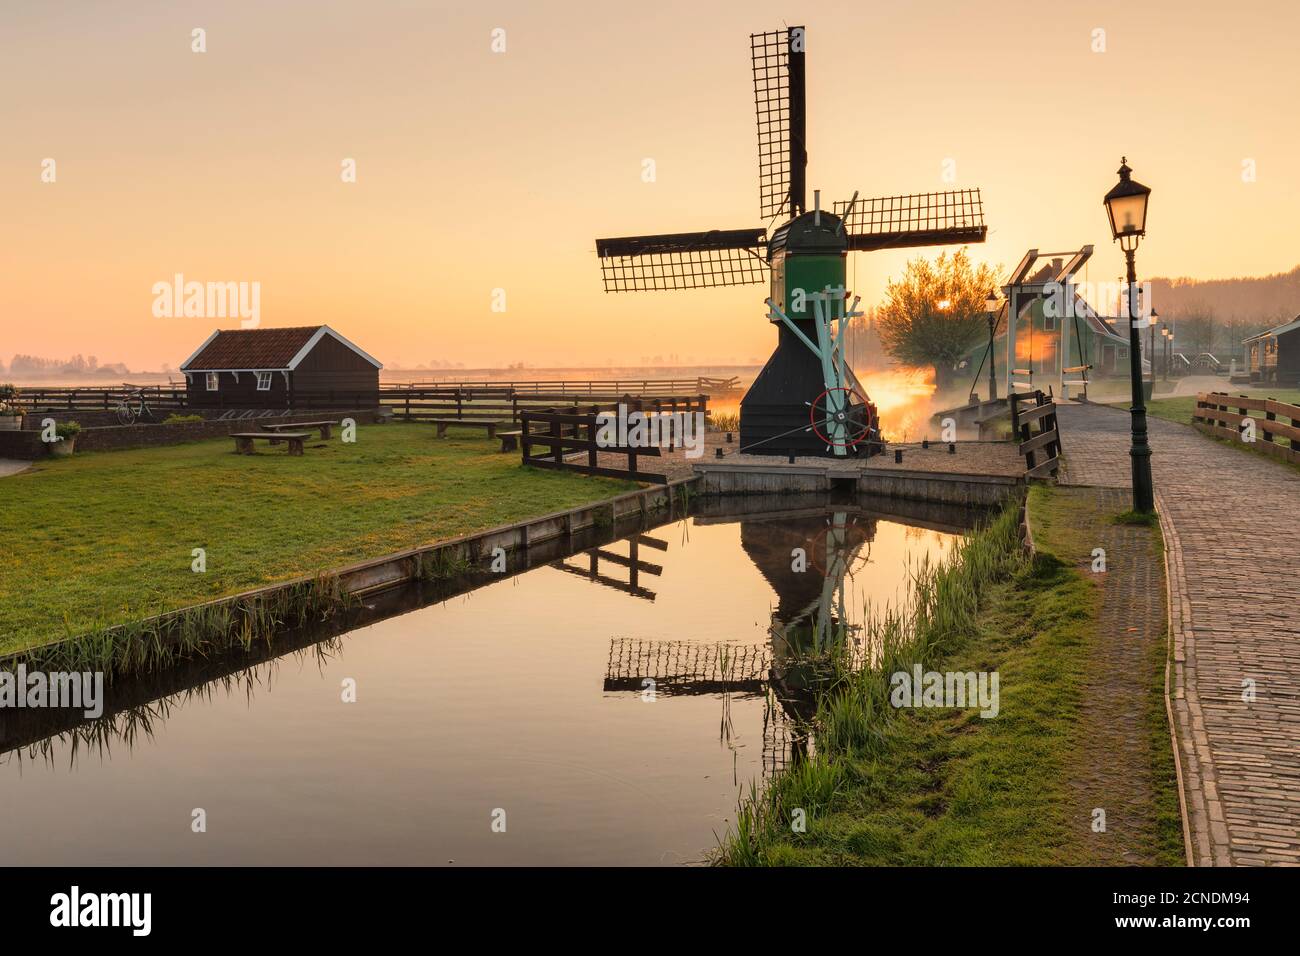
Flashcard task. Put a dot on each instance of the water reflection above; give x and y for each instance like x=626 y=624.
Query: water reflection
x=479 y=692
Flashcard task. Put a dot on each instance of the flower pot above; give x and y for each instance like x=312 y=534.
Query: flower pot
x=11 y=423
x=63 y=447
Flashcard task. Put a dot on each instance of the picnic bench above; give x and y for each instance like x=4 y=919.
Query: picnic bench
x=326 y=428
x=244 y=440
x=491 y=424
x=510 y=440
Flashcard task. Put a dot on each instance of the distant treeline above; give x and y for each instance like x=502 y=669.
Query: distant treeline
x=1214 y=315
x=36 y=366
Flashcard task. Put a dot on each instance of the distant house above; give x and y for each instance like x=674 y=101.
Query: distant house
x=1096 y=341
x=305 y=367
x=1273 y=356
x=1060 y=339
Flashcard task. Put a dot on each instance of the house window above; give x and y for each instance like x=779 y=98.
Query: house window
x=1049 y=323
x=212 y=381
x=263 y=381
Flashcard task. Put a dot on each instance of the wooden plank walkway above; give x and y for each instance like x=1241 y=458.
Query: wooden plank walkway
x=1229 y=520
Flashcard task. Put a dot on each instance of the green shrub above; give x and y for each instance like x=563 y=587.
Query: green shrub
x=181 y=419
x=9 y=399
x=67 y=430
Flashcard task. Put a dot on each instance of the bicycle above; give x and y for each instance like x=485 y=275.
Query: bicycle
x=132 y=407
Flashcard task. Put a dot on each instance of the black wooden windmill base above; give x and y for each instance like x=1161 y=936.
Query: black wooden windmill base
x=771 y=423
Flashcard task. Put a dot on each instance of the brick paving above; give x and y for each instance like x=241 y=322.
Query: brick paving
x=1230 y=520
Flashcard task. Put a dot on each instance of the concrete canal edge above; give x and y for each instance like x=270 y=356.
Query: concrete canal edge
x=741 y=478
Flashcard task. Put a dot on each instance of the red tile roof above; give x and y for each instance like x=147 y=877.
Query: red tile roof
x=252 y=349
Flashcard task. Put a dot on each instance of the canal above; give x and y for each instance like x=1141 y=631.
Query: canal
x=606 y=707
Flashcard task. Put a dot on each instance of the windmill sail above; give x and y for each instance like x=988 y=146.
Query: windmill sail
x=920 y=219
x=777 y=59
x=683 y=260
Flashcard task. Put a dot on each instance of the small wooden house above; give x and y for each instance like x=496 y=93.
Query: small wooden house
x=1273 y=356
x=304 y=367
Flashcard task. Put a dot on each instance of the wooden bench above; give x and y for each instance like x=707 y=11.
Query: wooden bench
x=510 y=440
x=244 y=440
x=326 y=428
x=491 y=424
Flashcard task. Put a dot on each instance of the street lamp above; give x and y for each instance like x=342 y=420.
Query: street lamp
x=1126 y=205
x=1169 y=349
x=992 y=305
x=1151 y=342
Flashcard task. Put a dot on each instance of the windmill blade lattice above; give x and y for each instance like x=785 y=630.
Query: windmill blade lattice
x=919 y=219
x=777 y=60
x=684 y=260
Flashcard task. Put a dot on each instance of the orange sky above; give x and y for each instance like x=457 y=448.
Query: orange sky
x=479 y=170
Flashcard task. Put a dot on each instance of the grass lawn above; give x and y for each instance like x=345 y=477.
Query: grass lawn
x=947 y=787
x=102 y=538
x=1180 y=408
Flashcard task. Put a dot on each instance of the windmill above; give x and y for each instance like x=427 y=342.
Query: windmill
x=806 y=400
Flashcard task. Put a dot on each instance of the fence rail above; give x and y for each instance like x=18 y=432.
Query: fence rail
x=416 y=404
x=1214 y=415
x=588 y=387
x=415 y=401
x=91 y=398
x=569 y=436
x=1041 y=448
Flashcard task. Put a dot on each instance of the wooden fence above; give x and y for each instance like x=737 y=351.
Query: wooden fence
x=568 y=436
x=593 y=388
x=1041 y=448
x=416 y=404
x=104 y=398
x=446 y=400
x=1215 y=415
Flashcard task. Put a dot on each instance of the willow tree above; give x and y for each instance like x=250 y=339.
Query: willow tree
x=935 y=314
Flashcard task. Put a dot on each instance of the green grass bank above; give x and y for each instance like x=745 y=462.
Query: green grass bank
x=945 y=787
x=102 y=539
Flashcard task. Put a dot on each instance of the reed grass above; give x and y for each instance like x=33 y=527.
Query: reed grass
x=158 y=641
x=854 y=716
x=724 y=421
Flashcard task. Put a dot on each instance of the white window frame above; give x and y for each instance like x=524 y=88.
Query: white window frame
x=263 y=381
x=214 y=381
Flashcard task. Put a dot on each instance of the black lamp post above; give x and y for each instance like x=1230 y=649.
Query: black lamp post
x=992 y=305
x=1151 y=344
x=1126 y=205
